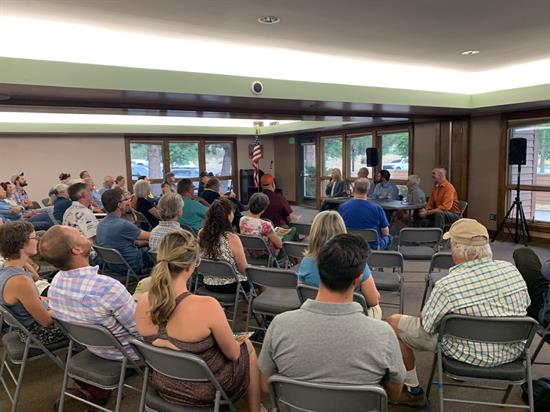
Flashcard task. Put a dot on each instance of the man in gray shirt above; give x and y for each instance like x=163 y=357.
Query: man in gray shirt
x=330 y=340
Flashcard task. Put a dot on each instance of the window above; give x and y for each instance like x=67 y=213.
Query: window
x=395 y=154
x=332 y=154
x=146 y=160
x=219 y=161
x=357 y=153
x=535 y=173
x=184 y=159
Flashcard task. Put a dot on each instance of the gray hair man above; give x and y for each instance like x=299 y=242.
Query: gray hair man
x=477 y=286
x=170 y=209
x=415 y=195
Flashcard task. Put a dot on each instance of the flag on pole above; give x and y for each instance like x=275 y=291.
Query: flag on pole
x=256 y=156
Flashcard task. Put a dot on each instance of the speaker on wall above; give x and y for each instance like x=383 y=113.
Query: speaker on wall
x=372 y=156
x=517 y=153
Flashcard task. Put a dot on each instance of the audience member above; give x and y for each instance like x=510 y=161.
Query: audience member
x=64 y=178
x=79 y=215
x=8 y=212
x=330 y=340
x=255 y=225
x=170 y=208
x=144 y=204
x=19 y=194
x=359 y=213
x=384 y=189
x=61 y=201
x=96 y=197
x=219 y=242
x=325 y=226
x=85 y=175
x=335 y=188
x=79 y=294
x=476 y=286
x=211 y=192
x=18 y=293
x=203 y=178
x=117 y=233
x=194 y=211
x=278 y=211
x=537 y=278
x=108 y=183
x=170 y=316
x=170 y=179
x=165 y=188
x=120 y=182
x=442 y=207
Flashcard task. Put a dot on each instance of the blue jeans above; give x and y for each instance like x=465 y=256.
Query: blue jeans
x=384 y=242
x=41 y=221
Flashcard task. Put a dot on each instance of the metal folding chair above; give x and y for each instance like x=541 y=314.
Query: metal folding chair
x=439 y=267
x=306 y=292
x=113 y=257
x=369 y=235
x=294 y=252
x=391 y=280
x=218 y=268
x=419 y=243
x=92 y=369
x=544 y=334
x=462 y=206
x=500 y=330
x=302 y=229
x=290 y=394
x=142 y=220
x=19 y=353
x=177 y=365
x=280 y=294
x=257 y=252
x=188 y=228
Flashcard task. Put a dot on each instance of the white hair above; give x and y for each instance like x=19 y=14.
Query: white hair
x=414 y=179
x=141 y=189
x=467 y=252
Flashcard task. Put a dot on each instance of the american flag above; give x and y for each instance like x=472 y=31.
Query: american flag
x=256 y=156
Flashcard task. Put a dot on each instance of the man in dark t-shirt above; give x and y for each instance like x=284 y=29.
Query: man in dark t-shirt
x=278 y=211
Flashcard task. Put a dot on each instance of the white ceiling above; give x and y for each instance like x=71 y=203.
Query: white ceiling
x=425 y=32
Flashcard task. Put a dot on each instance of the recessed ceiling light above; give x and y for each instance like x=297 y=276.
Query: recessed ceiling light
x=269 y=20
x=470 y=52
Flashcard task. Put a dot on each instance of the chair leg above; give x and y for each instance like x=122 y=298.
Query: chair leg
x=248 y=311
x=440 y=379
x=432 y=372
x=144 y=390
x=120 y=385
x=217 y=401
x=507 y=393
x=425 y=295
x=537 y=350
x=235 y=311
x=21 y=372
x=529 y=383
x=65 y=377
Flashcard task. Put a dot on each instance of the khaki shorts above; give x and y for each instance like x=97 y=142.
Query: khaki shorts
x=413 y=334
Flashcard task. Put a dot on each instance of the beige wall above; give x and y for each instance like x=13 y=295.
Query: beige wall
x=43 y=158
x=285 y=158
x=424 y=153
x=267 y=162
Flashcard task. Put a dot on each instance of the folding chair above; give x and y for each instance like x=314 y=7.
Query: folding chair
x=306 y=292
x=218 y=268
x=188 y=228
x=294 y=252
x=113 y=257
x=153 y=256
x=500 y=330
x=462 y=206
x=419 y=243
x=369 y=235
x=290 y=394
x=36 y=205
x=142 y=220
x=19 y=353
x=47 y=202
x=439 y=267
x=280 y=294
x=390 y=281
x=92 y=369
x=177 y=365
x=257 y=252
x=302 y=229
x=544 y=334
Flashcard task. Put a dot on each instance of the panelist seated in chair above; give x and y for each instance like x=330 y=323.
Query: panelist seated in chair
x=169 y=316
x=335 y=188
x=443 y=207
x=18 y=292
x=384 y=189
x=329 y=339
x=476 y=286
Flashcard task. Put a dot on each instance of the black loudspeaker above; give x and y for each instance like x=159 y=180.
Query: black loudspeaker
x=372 y=156
x=517 y=155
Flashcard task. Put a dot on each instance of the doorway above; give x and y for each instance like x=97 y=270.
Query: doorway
x=308 y=174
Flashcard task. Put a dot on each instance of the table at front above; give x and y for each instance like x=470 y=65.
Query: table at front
x=385 y=204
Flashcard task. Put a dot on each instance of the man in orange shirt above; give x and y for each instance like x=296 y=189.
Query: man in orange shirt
x=442 y=208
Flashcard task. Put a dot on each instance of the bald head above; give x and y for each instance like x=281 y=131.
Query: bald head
x=65 y=247
x=108 y=181
x=439 y=175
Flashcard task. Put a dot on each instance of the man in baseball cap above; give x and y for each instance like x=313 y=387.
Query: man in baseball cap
x=477 y=286
x=279 y=210
x=19 y=193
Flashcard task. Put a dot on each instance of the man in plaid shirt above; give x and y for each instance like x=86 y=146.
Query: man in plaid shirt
x=476 y=286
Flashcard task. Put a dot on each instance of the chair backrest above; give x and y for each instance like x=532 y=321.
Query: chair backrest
x=295 y=395
x=441 y=261
x=10 y=319
x=462 y=205
x=109 y=255
x=295 y=249
x=47 y=202
x=370 y=235
x=271 y=277
x=216 y=268
x=301 y=228
x=489 y=329
x=188 y=228
x=89 y=335
x=306 y=292
x=36 y=205
x=251 y=242
x=153 y=256
x=142 y=219
x=424 y=235
x=381 y=259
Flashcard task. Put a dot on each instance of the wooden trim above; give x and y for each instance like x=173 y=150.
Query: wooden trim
x=529 y=188
x=503 y=170
x=128 y=164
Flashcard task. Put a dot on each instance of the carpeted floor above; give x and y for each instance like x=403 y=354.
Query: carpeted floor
x=42 y=379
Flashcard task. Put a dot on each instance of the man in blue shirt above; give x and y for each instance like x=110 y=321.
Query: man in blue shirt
x=385 y=190
x=359 y=213
x=194 y=211
x=117 y=233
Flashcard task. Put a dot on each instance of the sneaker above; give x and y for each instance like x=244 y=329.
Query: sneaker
x=413 y=397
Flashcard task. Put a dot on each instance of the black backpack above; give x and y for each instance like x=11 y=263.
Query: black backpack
x=541 y=394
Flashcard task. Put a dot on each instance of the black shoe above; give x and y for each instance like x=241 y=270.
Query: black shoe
x=413 y=397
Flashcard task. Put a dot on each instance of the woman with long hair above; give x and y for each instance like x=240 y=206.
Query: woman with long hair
x=335 y=188
x=144 y=204
x=325 y=226
x=218 y=241
x=169 y=316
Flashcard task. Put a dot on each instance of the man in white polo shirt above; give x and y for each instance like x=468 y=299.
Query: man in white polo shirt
x=79 y=215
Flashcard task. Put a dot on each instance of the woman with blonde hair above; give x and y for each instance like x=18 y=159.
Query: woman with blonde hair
x=335 y=188
x=144 y=204
x=325 y=226
x=169 y=316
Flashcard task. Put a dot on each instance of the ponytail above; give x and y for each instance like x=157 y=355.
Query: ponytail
x=161 y=297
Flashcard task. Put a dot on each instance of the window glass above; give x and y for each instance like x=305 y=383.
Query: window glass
x=395 y=154
x=184 y=159
x=332 y=154
x=536 y=171
x=146 y=160
x=536 y=205
x=219 y=158
x=357 y=154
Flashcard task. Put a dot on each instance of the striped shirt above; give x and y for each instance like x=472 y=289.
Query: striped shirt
x=483 y=288
x=83 y=296
x=161 y=230
x=20 y=195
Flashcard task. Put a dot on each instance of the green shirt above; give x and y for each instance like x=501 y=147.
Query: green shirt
x=193 y=213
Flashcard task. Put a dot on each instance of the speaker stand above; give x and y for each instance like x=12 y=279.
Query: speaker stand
x=520 y=222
